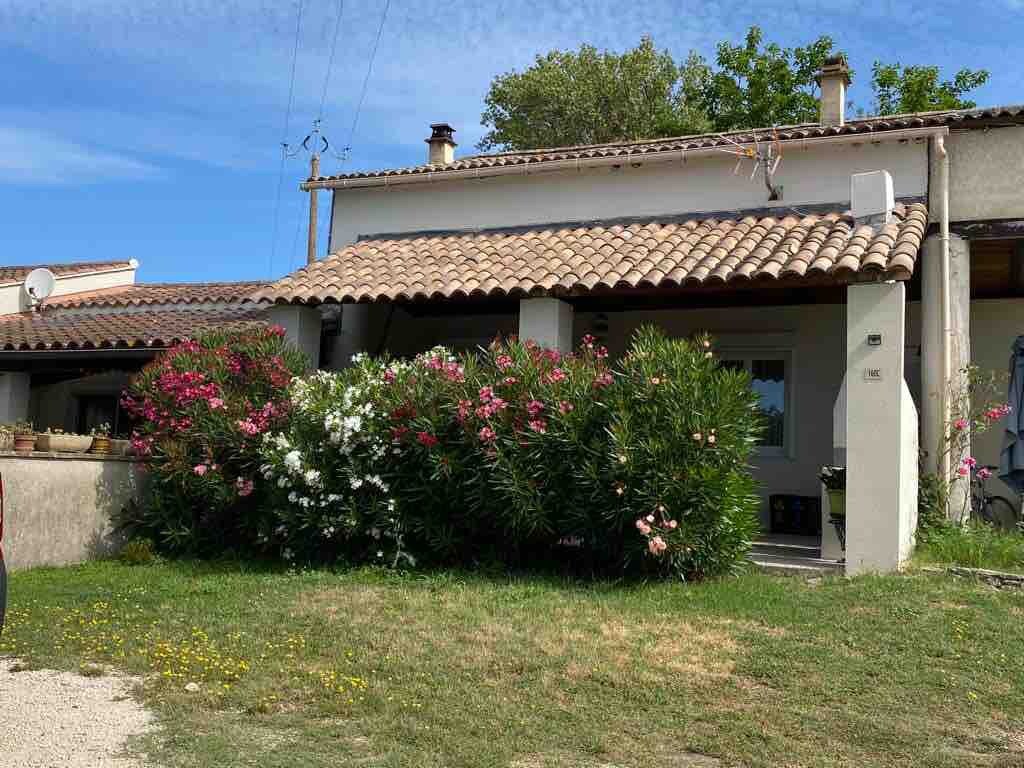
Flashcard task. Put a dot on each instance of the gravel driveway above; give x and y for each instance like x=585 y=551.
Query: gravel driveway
x=50 y=719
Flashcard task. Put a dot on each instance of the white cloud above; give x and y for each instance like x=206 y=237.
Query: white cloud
x=33 y=158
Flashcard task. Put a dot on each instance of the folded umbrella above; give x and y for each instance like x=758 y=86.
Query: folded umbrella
x=1011 y=457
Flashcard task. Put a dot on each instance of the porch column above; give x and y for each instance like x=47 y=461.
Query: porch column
x=881 y=431
x=14 y=397
x=546 y=321
x=933 y=388
x=301 y=328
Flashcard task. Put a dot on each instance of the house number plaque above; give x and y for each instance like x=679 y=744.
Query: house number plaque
x=872 y=374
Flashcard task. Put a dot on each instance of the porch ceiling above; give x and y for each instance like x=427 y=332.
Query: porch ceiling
x=743 y=251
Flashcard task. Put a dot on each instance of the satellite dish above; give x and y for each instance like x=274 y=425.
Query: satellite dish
x=39 y=284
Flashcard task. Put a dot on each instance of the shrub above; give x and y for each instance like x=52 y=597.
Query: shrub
x=521 y=455
x=201 y=410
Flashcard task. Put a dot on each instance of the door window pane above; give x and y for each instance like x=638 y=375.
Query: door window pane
x=768 y=378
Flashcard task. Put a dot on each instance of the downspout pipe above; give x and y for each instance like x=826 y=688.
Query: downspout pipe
x=945 y=340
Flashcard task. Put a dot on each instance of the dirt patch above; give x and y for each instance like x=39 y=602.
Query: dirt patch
x=53 y=718
x=677 y=646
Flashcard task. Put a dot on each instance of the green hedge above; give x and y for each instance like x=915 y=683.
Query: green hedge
x=520 y=455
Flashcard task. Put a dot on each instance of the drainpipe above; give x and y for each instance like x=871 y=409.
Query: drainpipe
x=945 y=340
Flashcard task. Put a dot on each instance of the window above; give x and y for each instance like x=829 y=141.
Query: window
x=94 y=410
x=769 y=375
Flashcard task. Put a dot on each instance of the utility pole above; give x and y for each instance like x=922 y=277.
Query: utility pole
x=314 y=172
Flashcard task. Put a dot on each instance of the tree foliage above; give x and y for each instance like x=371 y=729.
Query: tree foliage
x=918 y=89
x=590 y=96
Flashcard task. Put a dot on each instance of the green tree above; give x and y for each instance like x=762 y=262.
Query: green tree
x=757 y=86
x=917 y=88
x=589 y=97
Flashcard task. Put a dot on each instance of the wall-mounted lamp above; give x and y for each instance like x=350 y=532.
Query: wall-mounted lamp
x=874 y=339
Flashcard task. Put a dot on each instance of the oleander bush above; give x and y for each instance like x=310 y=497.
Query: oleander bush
x=519 y=455
x=200 y=410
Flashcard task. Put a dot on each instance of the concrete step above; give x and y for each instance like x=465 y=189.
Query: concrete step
x=785 y=548
x=795 y=566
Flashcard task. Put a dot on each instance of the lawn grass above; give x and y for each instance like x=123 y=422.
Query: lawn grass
x=975 y=545
x=369 y=668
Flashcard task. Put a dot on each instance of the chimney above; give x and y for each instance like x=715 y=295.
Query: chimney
x=871 y=198
x=442 y=145
x=833 y=80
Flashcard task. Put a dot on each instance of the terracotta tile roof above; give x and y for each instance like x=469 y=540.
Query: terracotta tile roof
x=62 y=330
x=865 y=126
x=571 y=259
x=146 y=294
x=17 y=273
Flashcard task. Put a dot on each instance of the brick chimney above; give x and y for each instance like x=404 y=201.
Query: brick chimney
x=833 y=79
x=442 y=145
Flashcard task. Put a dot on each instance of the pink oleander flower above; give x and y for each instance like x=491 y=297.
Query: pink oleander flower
x=650 y=518
x=970 y=461
x=963 y=471
x=712 y=439
x=498 y=404
x=565 y=407
x=984 y=473
x=508 y=381
x=672 y=525
x=557 y=375
x=588 y=341
x=244 y=486
x=961 y=424
x=215 y=403
x=603 y=380
x=657 y=545
x=601 y=353
x=276 y=330
x=426 y=439
x=998 y=412
x=504 y=362
x=655 y=380
x=553 y=355
x=643 y=527
x=488 y=435
x=465 y=408
x=538 y=425
x=390 y=376
x=200 y=469
x=486 y=393
x=534 y=408
x=454 y=372
x=435 y=363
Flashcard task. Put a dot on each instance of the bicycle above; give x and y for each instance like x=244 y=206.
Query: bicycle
x=997 y=511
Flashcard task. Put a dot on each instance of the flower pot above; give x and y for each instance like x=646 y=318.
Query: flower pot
x=100 y=444
x=837 y=502
x=120 y=447
x=24 y=443
x=63 y=443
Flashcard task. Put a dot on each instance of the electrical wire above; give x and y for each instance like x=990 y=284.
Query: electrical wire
x=330 y=59
x=284 y=140
x=369 y=69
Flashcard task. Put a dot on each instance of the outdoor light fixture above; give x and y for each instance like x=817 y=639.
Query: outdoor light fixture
x=874 y=339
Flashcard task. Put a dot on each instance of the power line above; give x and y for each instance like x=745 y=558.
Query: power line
x=330 y=59
x=284 y=138
x=369 y=69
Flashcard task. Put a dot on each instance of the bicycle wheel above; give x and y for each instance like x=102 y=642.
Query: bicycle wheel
x=1000 y=513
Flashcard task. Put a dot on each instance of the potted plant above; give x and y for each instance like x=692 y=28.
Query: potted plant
x=60 y=442
x=100 y=439
x=6 y=437
x=24 y=437
x=834 y=480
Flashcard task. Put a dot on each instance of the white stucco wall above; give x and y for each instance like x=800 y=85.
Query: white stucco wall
x=14 y=299
x=812 y=175
x=985 y=173
x=995 y=323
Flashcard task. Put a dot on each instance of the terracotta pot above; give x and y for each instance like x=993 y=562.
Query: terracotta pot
x=63 y=443
x=100 y=444
x=24 y=443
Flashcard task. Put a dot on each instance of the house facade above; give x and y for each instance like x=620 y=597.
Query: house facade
x=65 y=360
x=853 y=278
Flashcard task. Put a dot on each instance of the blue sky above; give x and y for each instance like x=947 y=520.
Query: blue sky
x=150 y=129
